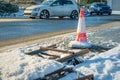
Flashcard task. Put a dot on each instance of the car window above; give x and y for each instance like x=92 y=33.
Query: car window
x=57 y=3
x=47 y=2
x=67 y=2
x=101 y=4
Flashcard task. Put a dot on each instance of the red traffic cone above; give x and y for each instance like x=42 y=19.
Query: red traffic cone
x=81 y=30
x=81 y=38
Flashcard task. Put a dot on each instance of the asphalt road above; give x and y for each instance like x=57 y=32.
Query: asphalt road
x=17 y=28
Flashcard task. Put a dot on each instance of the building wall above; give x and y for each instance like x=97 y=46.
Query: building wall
x=115 y=5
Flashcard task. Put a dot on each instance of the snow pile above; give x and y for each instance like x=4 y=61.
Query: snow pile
x=105 y=66
x=15 y=65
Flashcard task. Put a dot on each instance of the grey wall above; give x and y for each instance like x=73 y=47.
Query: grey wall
x=116 y=5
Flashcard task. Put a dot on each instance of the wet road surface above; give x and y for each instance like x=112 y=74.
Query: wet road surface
x=16 y=28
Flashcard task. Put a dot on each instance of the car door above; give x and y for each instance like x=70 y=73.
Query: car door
x=57 y=8
x=68 y=7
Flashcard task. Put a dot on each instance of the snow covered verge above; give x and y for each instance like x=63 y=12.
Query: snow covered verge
x=15 y=65
x=105 y=66
x=19 y=14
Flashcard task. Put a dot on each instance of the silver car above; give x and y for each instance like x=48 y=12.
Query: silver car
x=52 y=8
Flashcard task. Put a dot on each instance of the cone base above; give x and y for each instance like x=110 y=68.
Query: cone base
x=76 y=44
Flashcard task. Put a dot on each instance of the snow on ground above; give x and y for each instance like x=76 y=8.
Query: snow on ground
x=15 y=65
x=18 y=14
x=105 y=66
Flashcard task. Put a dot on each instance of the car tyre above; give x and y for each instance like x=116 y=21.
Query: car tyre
x=74 y=14
x=101 y=13
x=97 y=13
x=109 y=13
x=44 y=14
x=91 y=13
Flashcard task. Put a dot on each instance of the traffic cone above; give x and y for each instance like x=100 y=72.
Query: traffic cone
x=81 y=38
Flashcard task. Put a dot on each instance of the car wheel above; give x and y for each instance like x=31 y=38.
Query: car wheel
x=109 y=13
x=74 y=14
x=44 y=14
x=90 y=13
x=97 y=13
x=101 y=13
